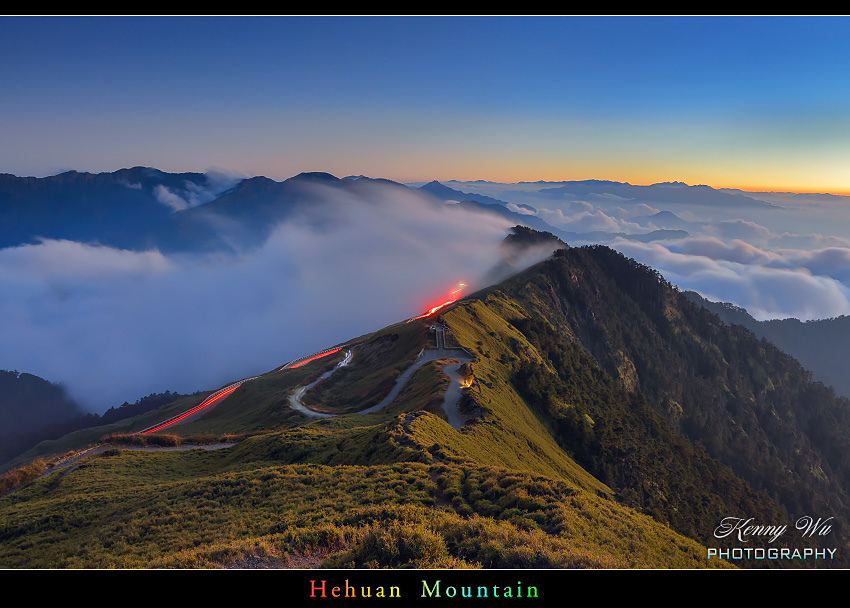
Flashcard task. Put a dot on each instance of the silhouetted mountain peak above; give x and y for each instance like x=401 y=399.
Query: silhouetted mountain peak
x=442 y=191
x=314 y=176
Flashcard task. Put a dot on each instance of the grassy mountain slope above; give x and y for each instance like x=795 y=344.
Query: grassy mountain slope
x=355 y=490
x=402 y=488
x=610 y=423
x=209 y=509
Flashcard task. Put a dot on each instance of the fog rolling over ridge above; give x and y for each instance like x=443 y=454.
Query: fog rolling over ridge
x=208 y=291
x=113 y=325
x=777 y=255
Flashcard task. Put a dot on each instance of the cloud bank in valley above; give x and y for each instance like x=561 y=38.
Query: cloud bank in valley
x=115 y=325
x=770 y=284
x=791 y=260
x=192 y=194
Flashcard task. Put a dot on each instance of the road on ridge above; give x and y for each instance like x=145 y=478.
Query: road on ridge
x=450 y=400
x=427 y=354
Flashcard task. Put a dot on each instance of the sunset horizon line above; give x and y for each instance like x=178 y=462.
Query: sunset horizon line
x=761 y=189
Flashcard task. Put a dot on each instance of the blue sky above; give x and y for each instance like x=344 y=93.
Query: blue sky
x=754 y=102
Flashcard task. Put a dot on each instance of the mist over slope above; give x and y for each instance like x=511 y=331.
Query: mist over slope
x=212 y=276
x=115 y=324
x=587 y=369
x=740 y=399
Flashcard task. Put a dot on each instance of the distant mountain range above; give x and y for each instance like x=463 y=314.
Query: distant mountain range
x=121 y=208
x=445 y=193
x=665 y=193
x=608 y=420
x=666 y=219
x=491 y=205
x=144 y=208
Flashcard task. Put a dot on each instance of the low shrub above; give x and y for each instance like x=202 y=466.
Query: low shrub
x=11 y=480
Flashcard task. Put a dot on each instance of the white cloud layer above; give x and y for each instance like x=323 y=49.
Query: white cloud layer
x=217 y=182
x=583 y=217
x=768 y=284
x=116 y=325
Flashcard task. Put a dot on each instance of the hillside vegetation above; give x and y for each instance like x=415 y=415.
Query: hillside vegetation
x=679 y=387
x=610 y=423
x=212 y=509
x=821 y=345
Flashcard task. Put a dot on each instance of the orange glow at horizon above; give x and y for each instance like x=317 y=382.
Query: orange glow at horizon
x=717 y=184
x=796 y=180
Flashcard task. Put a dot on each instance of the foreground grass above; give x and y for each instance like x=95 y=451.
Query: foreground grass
x=131 y=509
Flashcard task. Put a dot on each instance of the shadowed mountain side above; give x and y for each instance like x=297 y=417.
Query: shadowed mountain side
x=519 y=249
x=107 y=208
x=27 y=402
x=244 y=217
x=52 y=425
x=722 y=388
x=822 y=346
x=666 y=220
x=445 y=193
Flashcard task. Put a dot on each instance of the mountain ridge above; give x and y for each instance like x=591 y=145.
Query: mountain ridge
x=589 y=370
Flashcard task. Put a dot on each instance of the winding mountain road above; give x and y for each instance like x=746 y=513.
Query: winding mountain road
x=223 y=393
x=426 y=355
x=295 y=397
x=450 y=400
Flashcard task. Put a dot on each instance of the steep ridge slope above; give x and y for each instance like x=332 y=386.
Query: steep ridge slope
x=396 y=488
x=822 y=345
x=746 y=403
x=383 y=490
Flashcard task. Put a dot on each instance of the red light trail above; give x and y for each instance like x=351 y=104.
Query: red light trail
x=224 y=392
x=431 y=311
x=214 y=398
x=306 y=360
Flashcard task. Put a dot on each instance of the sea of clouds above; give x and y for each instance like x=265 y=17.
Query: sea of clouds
x=789 y=260
x=114 y=325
